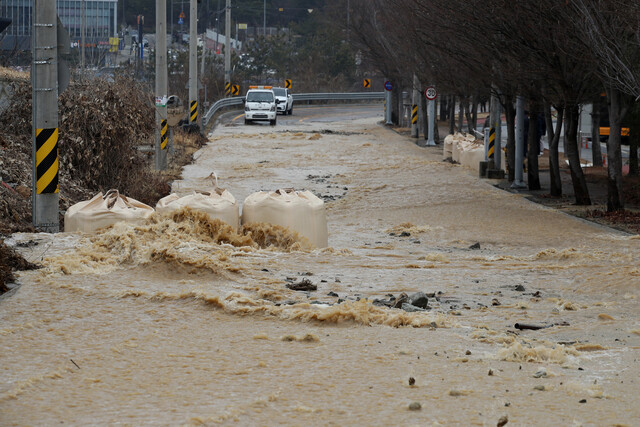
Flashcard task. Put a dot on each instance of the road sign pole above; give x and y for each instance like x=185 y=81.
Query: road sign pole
x=432 y=121
x=44 y=80
x=161 y=85
x=519 y=166
x=388 y=107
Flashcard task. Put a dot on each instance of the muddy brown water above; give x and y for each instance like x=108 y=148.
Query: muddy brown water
x=177 y=323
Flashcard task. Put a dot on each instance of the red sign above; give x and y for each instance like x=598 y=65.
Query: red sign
x=430 y=93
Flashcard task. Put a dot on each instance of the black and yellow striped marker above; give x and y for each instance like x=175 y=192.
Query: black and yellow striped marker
x=287 y=83
x=367 y=83
x=47 y=161
x=414 y=114
x=193 y=116
x=492 y=140
x=163 y=134
x=235 y=90
x=227 y=88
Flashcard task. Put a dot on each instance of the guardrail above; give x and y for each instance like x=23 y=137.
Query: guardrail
x=239 y=100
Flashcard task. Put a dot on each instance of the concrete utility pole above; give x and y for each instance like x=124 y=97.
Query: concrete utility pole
x=44 y=80
x=496 y=123
x=431 y=111
x=193 y=62
x=161 y=85
x=519 y=169
x=83 y=30
x=414 y=107
x=227 y=43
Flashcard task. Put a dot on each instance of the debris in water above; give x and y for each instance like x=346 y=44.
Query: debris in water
x=475 y=246
x=415 y=406
x=303 y=285
x=490 y=372
x=523 y=326
x=583 y=401
x=603 y=316
x=539 y=388
x=503 y=420
x=412 y=381
x=520 y=288
x=410 y=308
x=542 y=373
x=333 y=294
x=456 y=393
x=495 y=302
x=419 y=299
x=75 y=363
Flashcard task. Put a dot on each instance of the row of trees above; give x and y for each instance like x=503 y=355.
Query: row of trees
x=555 y=53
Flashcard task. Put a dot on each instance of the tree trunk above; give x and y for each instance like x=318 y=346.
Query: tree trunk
x=396 y=99
x=461 y=114
x=510 y=116
x=634 y=139
x=595 y=133
x=444 y=108
x=452 y=114
x=533 y=174
x=471 y=127
x=571 y=150
x=555 y=187
x=617 y=111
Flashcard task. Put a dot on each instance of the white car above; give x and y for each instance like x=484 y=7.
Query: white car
x=260 y=104
x=285 y=106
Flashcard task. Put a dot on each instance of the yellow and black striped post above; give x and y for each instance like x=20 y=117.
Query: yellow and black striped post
x=193 y=112
x=492 y=140
x=47 y=161
x=414 y=114
x=227 y=88
x=163 y=134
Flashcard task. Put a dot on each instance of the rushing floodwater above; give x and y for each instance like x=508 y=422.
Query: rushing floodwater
x=184 y=322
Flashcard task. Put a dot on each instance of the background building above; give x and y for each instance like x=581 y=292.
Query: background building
x=100 y=23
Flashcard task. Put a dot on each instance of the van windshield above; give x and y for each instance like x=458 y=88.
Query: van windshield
x=260 y=97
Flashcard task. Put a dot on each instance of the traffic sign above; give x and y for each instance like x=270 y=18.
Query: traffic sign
x=430 y=93
x=235 y=90
x=388 y=85
x=287 y=83
x=180 y=21
x=182 y=15
x=367 y=82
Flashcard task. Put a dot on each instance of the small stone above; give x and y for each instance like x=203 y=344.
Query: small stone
x=409 y=308
x=542 y=373
x=583 y=401
x=539 y=388
x=507 y=404
x=503 y=421
x=468 y=352
x=415 y=406
x=333 y=294
x=495 y=302
x=412 y=381
x=520 y=288
x=475 y=246
x=490 y=372
x=405 y=234
x=264 y=269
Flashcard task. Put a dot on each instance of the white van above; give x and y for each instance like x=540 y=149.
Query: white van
x=260 y=104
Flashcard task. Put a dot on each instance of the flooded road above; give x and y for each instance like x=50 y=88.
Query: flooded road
x=184 y=322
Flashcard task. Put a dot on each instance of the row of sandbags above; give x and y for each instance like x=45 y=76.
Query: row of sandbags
x=300 y=211
x=466 y=150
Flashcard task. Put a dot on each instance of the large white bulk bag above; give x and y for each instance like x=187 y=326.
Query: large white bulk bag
x=103 y=211
x=300 y=211
x=448 y=147
x=217 y=203
x=472 y=158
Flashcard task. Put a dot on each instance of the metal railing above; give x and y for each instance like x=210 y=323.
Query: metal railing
x=239 y=100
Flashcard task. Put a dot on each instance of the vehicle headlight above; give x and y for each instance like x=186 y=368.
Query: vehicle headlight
x=273 y=108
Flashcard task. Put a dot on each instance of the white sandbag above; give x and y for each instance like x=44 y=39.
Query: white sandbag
x=103 y=211
x=217 y=203
x=472 y=158
x=300 y=211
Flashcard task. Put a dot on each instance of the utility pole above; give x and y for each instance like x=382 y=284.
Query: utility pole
x=193 y=63
x=83 y=30
x=264 y=20
x=161 y=85
x=44 y=80
x=227 y=44
x=415 y=133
